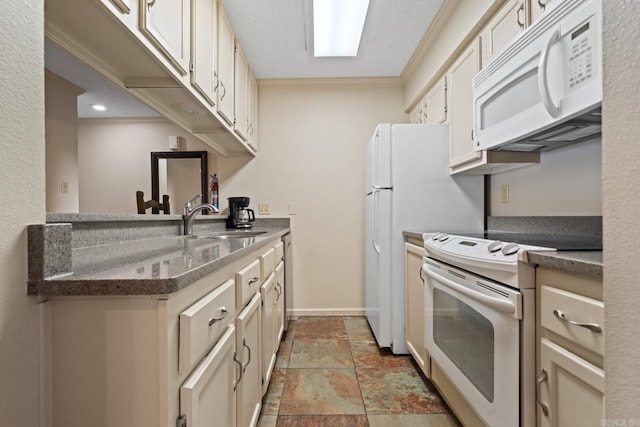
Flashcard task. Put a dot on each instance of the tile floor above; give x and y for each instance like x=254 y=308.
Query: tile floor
x=330 y=372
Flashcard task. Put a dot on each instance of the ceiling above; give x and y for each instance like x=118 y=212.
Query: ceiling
x=276 y=37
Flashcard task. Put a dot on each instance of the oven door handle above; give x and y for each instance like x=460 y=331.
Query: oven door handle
x=505 y=306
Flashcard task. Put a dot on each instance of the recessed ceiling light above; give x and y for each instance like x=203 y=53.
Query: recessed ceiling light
x=99 y=107
x=337 y=26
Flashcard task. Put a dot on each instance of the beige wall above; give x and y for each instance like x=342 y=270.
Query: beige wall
x=568 y=181
x=114 y=161
x=23 y=202
x=61 y=133
x=312 y=139
x=621 y=205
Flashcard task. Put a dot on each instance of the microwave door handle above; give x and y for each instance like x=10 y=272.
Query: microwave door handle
x=543 y=83
x=495 y=303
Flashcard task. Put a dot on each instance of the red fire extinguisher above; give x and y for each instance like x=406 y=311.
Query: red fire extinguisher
x=213 y=189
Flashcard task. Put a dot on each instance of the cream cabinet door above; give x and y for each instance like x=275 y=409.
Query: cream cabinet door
x=252 y=97
x=571 y=389
x=226 y=47
x=536 y=8
x=249 y=389
x=240 y=92
x=268 y=293
x=502 y=29
x=435 y=103
x=204 y=39
x=460 y=102
x=414 y=303
x=166 y=23
x=279 y=314
x=207 y=397
x=416 y=115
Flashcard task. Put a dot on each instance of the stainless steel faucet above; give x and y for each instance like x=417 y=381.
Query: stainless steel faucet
x=190 y=213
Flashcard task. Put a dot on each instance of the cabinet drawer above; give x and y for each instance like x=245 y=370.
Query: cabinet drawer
x=267 y=263
x=279 y=248
x=248 y=283
x=202 y=324
x=574 y=317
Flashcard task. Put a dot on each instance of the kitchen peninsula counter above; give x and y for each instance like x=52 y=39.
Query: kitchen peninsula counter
x=127 y=264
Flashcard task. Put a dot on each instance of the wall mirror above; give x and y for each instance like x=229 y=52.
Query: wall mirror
x=181 y=175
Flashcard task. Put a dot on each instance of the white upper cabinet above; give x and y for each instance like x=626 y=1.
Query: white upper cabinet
x=502 y=29
x=204 y=39
x=166 y=23
x=252 y=96
x=240 y=123
x=435 y=103
x=226 y=48
x=536 y=8
x=460 y=93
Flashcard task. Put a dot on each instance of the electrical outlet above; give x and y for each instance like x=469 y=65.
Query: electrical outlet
x=292 y=208
x=504 y=194
x=264 y=209
x=64 y=187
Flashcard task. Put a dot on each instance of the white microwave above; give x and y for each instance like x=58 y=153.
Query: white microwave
x=543 y=91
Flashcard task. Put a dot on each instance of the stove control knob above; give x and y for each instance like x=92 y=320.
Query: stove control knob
x=443 y=237
x=510 y=249
x=494 y=246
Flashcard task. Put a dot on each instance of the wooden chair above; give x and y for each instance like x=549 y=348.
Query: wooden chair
x=154 y=204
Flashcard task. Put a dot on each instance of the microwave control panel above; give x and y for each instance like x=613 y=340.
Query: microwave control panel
x=580 y=48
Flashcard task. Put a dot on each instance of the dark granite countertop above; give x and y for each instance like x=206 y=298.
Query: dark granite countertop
x=154 y=266
x=587 y=263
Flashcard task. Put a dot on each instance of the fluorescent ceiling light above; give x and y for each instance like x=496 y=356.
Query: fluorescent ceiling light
x=99 y=107
x=337 y=26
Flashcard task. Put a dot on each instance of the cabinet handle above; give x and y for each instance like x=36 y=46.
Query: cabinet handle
x=278 y=289
x=420 y=274
x=542 y=378
x=217 y=80
x=520 y=23
x=250 y=129
x=252 y=281
x=224 y=91
x=244 y=344
x=235 y=383
x=150 y=4
x=542 y=4
x=591 y=326
x=223 y=312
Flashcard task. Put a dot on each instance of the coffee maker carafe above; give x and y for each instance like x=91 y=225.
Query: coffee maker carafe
x=240 y=216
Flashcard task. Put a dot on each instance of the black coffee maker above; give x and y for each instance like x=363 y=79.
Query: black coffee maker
x=240 y=216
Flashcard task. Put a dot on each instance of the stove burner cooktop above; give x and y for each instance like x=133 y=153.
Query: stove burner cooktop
x=558 y=242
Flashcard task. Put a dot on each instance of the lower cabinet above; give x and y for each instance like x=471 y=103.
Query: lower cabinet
x=279 y=310
x=207 y=397
x=571 y=389
x=414 y=303
x=190 y=359
x=249 y=386
x=571 y=334
x=269 y=343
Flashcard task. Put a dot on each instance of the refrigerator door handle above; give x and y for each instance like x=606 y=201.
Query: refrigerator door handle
x=376 y=246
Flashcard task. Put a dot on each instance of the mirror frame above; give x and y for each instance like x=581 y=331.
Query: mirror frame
x=155 y=178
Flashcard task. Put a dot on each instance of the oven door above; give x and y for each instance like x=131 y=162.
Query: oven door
x=473 y=333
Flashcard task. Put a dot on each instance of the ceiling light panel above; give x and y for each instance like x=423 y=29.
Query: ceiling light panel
x=337 y=26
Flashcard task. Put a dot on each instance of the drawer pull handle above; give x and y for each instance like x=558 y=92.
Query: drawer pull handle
x=252 y=281
x=244 y=344
x=542 y=378
x=591 y=326
x=223 y=312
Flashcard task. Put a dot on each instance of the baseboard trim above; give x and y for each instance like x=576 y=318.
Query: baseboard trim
x=327 y=312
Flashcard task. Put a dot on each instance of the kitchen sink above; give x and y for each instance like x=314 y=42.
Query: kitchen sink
x=228 y=234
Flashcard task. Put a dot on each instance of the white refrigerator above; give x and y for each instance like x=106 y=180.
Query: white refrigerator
x=408 y=187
